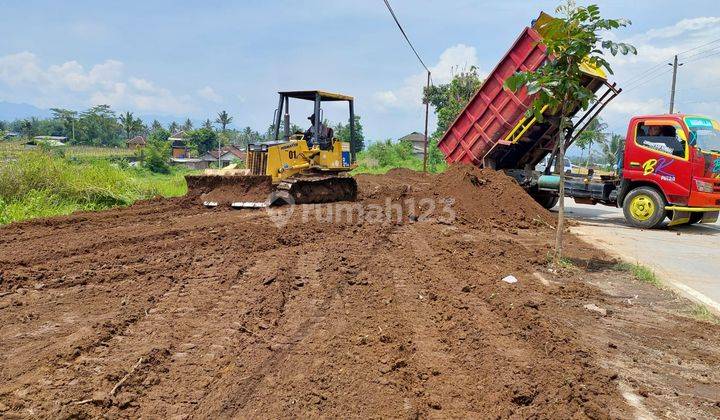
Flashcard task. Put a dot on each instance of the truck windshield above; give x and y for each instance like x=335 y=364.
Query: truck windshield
x=706 y=133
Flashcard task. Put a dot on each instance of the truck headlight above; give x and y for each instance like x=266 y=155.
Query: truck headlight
x=704 y=186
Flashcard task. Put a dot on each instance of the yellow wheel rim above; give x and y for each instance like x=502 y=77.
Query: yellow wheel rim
x=642 y=207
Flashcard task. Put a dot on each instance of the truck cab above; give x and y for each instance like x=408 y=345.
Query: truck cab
x=670 y=168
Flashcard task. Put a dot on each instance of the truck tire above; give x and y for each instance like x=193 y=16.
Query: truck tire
x=550 y=201
x=546 y=200
x=644 y=208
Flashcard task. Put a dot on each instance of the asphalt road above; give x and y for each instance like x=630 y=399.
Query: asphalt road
x=686 y=258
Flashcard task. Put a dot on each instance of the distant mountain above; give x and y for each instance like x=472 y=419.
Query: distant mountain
x=10 y=111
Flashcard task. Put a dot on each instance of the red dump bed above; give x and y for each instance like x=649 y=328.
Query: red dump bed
x=494 y=111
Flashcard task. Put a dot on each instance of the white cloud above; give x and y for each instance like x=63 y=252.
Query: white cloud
x=625 y=106
x=684 y=26
x=69 y=84
x=72 y=75
x=452 y=61
x=209 y=94
x=20 y=68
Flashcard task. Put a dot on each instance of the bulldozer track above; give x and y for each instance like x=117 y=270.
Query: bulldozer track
x=319 y=188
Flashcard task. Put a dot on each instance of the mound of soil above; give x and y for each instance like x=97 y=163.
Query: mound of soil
x=478 y=196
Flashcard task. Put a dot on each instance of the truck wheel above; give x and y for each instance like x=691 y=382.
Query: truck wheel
x=550 y=202
x=546 y=200
x=644 y=208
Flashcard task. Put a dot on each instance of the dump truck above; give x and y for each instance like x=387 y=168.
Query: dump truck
x=670 y=165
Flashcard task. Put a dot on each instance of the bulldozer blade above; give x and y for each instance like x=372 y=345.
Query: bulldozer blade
x=226 y=190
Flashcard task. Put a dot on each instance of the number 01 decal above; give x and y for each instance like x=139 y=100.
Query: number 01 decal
x=292 y=154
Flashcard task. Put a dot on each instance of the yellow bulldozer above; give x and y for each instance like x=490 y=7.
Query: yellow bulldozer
x=296 y=168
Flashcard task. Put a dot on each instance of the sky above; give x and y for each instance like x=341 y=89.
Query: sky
x=195 y=58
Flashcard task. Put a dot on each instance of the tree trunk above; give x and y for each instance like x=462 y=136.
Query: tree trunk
x=587 y=164
x=561 y=194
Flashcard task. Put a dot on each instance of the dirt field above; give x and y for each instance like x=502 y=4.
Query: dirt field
x=167 y=309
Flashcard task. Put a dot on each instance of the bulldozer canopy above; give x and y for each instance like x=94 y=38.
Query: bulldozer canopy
x=309 y=95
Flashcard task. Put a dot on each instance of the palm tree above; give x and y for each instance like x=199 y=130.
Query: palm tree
x=223 y=119
x=188 y=125
x=173 y=127
x=612 y=150
x=208 y=124
x=593 y=134
x=130 y=124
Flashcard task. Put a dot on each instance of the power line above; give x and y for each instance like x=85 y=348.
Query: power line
x=700 y=46
x=666 y=71
x=653 y=70
x=429 y=81
x=703 y=52
x=646 y=81
x=650 y=70
x=390 y=9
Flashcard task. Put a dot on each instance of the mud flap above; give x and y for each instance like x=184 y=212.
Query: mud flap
x=679 y=217
x=710 y=217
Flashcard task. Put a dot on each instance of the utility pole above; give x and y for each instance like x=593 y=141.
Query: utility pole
x=219 y=151
x=675 y=66
x=427 y=110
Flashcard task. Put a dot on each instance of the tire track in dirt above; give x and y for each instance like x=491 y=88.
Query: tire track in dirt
x=274 y=343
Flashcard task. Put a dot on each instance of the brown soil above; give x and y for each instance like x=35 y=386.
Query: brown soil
x=168 y=309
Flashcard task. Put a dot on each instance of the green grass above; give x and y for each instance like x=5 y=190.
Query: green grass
x=11 y=149
x=640 y=273
x=702 y=313
x=43 y=184
x=697 y=311
x=370 y=166
x=380 y=157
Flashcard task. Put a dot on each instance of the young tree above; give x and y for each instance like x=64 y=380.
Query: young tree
x=574 y=38
x=207 y=124
x=157 y=152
